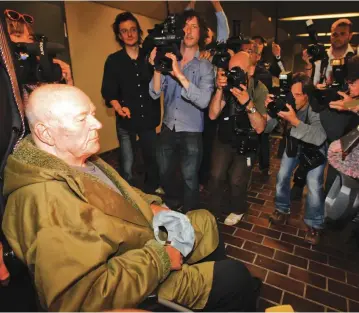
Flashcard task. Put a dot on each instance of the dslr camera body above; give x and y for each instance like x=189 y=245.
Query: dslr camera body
x=282 y=95
x=167 y=37
x=34 y=61
x=316 y=50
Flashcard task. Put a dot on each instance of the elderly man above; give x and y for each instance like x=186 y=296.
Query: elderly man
x=86 y=235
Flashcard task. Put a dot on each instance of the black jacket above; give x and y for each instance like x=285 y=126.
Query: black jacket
x=127 y=81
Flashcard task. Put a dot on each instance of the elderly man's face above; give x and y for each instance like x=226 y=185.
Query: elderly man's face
x=75 y=129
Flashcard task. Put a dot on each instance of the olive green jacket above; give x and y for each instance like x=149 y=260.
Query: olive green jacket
x=89 y=248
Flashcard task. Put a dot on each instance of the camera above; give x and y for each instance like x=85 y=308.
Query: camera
x=310 y=158
x=235 y=77
x=167 y=37
x=282 y=95
x=339 y=72
x=34 y=61
x=219 y=50
x=316 y=50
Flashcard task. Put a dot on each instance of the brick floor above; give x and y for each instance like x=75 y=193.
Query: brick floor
x=316 y=279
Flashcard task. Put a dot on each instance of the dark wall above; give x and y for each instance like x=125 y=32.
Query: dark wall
x=49 y=20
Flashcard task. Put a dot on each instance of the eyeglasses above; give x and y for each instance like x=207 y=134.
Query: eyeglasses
x=16 y=16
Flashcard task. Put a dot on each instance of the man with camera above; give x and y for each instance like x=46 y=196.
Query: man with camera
x=187 y=91
x=239 y=104
x=125 y=88
x=341 y=34
x=305 y=141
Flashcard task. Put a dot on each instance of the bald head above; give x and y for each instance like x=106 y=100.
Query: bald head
x=52 y=102
x=240 y=59
x=63 y=123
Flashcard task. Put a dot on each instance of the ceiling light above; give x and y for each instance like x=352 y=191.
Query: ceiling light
x=321 y=34
x=317 y=17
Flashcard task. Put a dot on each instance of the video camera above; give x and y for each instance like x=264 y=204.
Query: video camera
x=282 y=95
x=219 y=50
x=339 y=72
x=316 y=50
x=34 y=61
x=167 y=37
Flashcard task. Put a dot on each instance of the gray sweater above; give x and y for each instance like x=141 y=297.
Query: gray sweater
x=313 y=132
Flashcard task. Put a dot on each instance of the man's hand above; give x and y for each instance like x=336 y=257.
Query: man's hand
x=66 y=71
x=340 y=104
x=175 y=257
x=151 y=59
x=241 y=95
x=307 y=58
x=123 y=112
x=176 y=71
x=217 y=5
x=221 y=80
x=276 y=49
x=289 y=116
x=205 y=54
x=268 y=99
x=157 y=208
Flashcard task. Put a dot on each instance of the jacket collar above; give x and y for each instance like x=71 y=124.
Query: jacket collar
x=55 y=168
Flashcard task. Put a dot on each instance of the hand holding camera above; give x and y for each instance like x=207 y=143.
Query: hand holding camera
x=176 y=71
x=221 y=80
x=307 y=58
x=242 y=96
x=290 y=115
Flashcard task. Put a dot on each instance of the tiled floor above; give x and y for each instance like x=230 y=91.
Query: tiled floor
x=316 y=279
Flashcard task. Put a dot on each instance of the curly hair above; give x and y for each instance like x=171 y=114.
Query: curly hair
x=203 y=28
x=123 y=17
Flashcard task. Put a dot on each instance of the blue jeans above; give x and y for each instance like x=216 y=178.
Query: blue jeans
x=148 y=143
x=187 y=146
x=314 y=206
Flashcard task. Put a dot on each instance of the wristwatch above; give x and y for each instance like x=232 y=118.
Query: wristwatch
x=252 y=110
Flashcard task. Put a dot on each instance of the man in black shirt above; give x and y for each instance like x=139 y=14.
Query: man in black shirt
x=125 y=88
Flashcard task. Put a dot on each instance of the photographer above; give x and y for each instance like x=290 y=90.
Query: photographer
x=241 y=117
x=341 y=34
x=305 y=128
x=187 y=91
x=20 y=29
x=125 y=88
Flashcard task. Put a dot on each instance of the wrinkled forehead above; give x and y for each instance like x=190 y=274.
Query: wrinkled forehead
x=69 y=108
